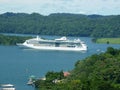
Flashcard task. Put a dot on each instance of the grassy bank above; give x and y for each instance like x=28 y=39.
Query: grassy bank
x=108 y=40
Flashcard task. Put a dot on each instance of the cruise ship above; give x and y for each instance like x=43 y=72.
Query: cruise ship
x=57 y=44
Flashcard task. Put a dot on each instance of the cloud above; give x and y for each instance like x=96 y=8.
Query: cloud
x=67 y=6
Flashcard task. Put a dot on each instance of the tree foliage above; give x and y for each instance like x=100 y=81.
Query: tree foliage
x=96 y=72
x=60 y=24
x=12 y=40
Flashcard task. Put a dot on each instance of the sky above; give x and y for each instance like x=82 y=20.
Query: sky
x=46 y=7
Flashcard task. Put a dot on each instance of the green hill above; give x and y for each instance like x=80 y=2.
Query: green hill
x=12 y=40
x=97 y=72
x=61 y=24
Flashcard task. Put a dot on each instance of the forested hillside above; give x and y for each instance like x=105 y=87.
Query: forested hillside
x=61 y=24
x=97 y=72
x=12 y=40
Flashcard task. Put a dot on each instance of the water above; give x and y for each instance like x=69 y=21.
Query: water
x=17 y=64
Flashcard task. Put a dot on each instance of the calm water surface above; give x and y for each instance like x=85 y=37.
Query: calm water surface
x=17 y=64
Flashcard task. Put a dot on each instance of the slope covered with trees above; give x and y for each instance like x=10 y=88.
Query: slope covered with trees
x=61 y=24
x=97 y=72
x=12 y=40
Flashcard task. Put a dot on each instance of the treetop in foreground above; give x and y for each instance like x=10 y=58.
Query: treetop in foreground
x=96 y=72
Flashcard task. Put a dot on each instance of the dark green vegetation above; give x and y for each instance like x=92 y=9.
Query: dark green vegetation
x=12 y=40
x=107 y=40
x=61 y=24
x=50 y=80
x=97 y=72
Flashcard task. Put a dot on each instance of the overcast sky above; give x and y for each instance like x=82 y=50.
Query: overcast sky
x=46 y=7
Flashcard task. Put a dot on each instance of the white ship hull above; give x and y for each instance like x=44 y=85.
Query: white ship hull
x=7 y=87
x=52 y=48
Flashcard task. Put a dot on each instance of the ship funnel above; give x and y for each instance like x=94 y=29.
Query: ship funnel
x=37 y=37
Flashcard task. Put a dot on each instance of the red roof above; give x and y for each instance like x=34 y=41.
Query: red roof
x=66 y=74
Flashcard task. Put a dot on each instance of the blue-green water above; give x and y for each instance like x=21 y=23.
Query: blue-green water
x=17 y=64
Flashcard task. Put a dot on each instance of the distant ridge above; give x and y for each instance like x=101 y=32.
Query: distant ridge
x=95 y=16
x=63 y=24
